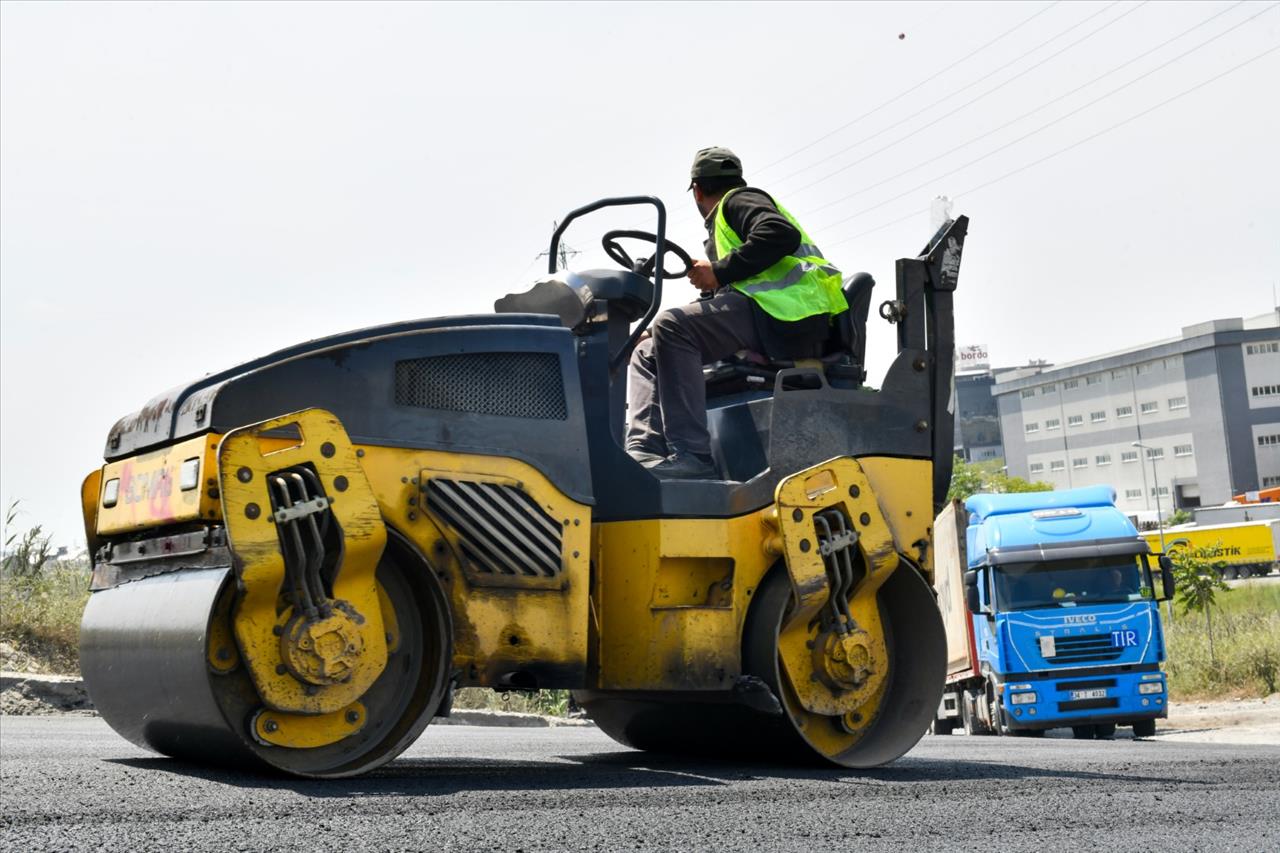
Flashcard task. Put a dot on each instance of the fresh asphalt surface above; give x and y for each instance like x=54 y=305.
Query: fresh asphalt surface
x=70 y=783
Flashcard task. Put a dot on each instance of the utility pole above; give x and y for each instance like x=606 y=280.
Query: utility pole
x=1155 y=478
x=564 y=253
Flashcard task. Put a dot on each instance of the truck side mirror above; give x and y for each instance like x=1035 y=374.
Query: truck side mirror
x=971 y=599
x=1166 y=577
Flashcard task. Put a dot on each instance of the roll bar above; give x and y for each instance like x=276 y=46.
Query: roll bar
x=659 y=249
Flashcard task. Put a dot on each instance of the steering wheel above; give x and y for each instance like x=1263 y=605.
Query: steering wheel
x=644 y=266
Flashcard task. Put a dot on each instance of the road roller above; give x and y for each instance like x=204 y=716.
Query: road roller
x=297 y=561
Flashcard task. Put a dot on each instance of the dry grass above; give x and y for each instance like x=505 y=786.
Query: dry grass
x=1246 y=655
x=40 y=618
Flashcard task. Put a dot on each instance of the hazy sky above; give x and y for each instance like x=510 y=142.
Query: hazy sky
x=185 y=186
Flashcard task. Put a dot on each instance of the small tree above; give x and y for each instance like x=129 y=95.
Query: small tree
x=969 y=478
x=1179 y=516
x=966 y=480
x=1199 y=579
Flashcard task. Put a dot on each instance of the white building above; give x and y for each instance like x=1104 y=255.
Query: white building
x=1205 y=405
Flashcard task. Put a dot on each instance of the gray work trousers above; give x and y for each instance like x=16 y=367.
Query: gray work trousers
x=667 y=398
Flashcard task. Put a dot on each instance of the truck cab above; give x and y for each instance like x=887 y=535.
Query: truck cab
x=1051 y=611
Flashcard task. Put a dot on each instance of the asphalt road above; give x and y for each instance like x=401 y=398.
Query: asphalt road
x=70 y=784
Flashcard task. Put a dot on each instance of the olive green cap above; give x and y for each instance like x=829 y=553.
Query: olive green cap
x=715 y=162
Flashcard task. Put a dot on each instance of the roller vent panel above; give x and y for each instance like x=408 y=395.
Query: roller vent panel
x=510 y=384
x=501 y=530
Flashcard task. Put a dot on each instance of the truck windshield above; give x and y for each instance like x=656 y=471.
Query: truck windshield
x=1070 y=583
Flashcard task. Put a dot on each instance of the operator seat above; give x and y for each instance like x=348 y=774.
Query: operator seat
x=842 y=356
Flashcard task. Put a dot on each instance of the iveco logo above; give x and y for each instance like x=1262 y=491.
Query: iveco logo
x=1079 y=620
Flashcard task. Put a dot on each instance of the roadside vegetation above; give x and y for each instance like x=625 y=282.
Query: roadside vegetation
x=41 y=599
x=1243 y=659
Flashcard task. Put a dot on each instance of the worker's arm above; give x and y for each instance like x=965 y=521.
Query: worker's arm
x=767 y=236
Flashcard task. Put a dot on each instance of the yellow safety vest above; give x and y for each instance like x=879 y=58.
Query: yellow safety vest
x=800 y=285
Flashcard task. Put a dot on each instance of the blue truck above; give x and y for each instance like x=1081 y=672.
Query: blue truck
x=1050 y=606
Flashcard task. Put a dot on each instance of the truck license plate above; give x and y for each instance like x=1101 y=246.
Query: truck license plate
x=1088 y=694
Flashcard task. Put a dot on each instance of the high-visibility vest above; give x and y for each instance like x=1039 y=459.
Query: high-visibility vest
x=800 y=285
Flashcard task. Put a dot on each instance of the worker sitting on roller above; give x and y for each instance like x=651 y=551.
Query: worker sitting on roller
x=766 y=288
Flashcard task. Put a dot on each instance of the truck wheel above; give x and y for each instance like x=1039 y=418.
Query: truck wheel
x=1104 y=731
x=1144 y=728
x=1228 y=573
x=1082 y=732
x=1244 y=572
x=973 y=724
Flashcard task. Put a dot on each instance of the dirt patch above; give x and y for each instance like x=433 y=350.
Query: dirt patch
x=28 y=694
x=1247 y=721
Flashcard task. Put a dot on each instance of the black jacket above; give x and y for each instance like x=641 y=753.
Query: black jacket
x=767 y=237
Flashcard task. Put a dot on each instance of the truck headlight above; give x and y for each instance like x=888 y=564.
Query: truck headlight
x=1151 y=687
x=1023 y=698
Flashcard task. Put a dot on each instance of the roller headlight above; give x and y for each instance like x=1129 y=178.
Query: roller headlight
x=1151 y=687
x=1023 y=698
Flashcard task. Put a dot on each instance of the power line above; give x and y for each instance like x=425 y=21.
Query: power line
x=1073 y=145
x=1045 y=126
x=906 y=92
x=1027 y=114
x=963 y=106
x=679 y=219
x=964 y=88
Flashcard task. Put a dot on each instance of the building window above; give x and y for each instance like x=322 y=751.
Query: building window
x=1268 y=440
x=1127 y=456
x=1075 y=420
x=1177 y=402
x=1124 y=411
x=1142 y=369
x=1032 y=427
x=1097 y=417
x=1068 y=384
x=1048 y=389
x=1080 y=462
x=1182 y=450
x=1036 y=467
x=1268 y=482
x=1118 y=374
x=1093 y=380
x=1133 y=494
x=1028 y=392
x=1155 y=452
x=1262 y=349
x=1053 y=423
x=1163 y=491
x=1057 y=465
x=1172 y=362
x=1102 y=459
x=1149 y=408
x=1265 y=390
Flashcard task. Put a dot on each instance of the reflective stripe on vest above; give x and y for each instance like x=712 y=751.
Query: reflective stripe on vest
x=800 y=285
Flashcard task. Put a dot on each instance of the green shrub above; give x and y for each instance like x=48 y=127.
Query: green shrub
x=1246 y=655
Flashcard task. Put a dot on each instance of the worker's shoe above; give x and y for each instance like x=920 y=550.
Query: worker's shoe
x=645 y=457
x=683 y=465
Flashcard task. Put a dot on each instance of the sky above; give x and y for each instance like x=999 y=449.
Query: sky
x=186 y=186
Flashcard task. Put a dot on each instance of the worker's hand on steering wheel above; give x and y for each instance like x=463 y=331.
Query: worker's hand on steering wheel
x=703 y=277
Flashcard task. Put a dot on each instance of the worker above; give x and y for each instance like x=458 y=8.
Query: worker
x=766 y=288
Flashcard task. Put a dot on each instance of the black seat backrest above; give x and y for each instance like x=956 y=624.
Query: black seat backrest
x=851 y=326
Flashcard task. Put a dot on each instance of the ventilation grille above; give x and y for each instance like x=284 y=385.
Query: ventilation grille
x=1084 y=648
x=501 y=530
x=512 y=384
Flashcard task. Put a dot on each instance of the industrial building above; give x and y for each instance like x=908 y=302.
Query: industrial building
x=1196 y=417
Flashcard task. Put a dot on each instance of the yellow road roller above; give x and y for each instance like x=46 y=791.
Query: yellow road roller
x=297 y=561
